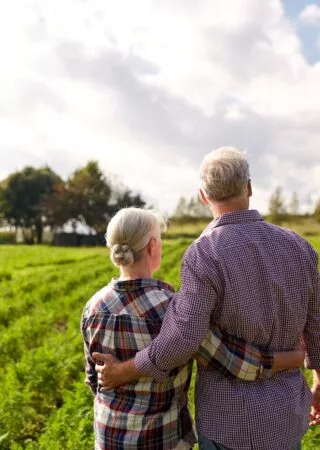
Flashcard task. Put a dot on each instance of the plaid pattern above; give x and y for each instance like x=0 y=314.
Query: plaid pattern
x=259 y=282
x=123 y=318
x=234 y=357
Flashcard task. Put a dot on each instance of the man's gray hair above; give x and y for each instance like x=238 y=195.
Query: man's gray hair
x=224 y=174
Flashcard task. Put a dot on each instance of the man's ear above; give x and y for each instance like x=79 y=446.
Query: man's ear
x=249 y=189
x=203 y=197
x=150 y=246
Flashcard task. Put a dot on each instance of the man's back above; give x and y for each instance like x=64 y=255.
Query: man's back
x=262 y=280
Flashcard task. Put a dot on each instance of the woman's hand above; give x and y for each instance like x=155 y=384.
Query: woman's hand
x=289 y=360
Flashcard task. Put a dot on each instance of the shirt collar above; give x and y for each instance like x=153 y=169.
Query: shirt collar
x=248 y=215
x=139 y=283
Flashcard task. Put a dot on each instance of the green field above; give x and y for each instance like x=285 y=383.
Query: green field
x=44 y=403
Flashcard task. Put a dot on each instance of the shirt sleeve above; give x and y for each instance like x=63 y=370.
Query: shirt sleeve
x=91 y=374
x=312 y=328
x=234 y=357
x=186 y=321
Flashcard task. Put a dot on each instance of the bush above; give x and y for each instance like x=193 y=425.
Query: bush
x=7 y=237
x=5 y=276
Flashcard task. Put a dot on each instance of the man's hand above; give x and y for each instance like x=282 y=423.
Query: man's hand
x=109 y=367
x=315 y=409
x=114 y=373
x=314 y=417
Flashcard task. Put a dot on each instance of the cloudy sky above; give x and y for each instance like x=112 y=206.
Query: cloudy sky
x=148 y=87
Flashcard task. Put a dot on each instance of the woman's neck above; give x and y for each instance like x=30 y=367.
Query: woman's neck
x=135 y=272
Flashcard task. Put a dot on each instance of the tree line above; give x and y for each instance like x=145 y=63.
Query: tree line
x=34 y=198
x=280 y=209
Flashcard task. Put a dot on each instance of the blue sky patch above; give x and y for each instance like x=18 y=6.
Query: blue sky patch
x=308 y=33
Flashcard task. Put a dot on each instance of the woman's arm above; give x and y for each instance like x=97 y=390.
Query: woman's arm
x=235 y=357
x=91 y=375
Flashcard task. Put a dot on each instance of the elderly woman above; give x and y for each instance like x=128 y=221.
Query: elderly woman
x=122 y=318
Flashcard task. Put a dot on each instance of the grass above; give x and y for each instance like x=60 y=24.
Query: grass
x=44 y=403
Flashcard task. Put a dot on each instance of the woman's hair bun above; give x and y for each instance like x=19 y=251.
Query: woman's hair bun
x=121 y=255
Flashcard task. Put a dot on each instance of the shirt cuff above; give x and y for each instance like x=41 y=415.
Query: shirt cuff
x=144 y=365
x=266 y=365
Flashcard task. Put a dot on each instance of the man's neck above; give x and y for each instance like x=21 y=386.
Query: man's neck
x=232 y=205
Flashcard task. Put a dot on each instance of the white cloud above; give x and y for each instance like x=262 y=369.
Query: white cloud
x=148 y=87
x=310 y=14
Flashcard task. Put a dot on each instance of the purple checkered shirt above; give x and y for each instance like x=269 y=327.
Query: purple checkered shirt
x=259 y=282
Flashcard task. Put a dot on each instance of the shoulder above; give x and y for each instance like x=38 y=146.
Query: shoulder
x=156 y=289
x=153 y=301
x=100 y=301
x=204 y=247
x=307 y=248
x=140 y=298
x=201 y=259
x=164 y=287
x=301 y=244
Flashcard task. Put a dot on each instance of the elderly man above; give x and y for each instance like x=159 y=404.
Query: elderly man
x=254 y=280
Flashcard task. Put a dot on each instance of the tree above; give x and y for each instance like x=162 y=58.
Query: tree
x=316 y=213
x=88 y=196
x=277 y=209
x=126 y=198
x=22 y=200
x=193 y=207
x=198 y=209
x=57 y=206
x=294 y=205
x=32 y=198
x=181 y=208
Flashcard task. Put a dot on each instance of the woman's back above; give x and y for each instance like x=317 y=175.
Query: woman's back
x=121 y=319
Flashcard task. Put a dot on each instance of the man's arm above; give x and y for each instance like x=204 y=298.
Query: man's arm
x=186 y=324
x=187 y=319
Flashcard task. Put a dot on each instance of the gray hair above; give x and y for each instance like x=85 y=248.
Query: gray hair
x=224 y=174
x=129 y=231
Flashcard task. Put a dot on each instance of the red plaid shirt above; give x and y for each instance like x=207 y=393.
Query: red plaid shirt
x=123 y=318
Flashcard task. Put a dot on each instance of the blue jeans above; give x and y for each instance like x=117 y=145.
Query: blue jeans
x=205 y=444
